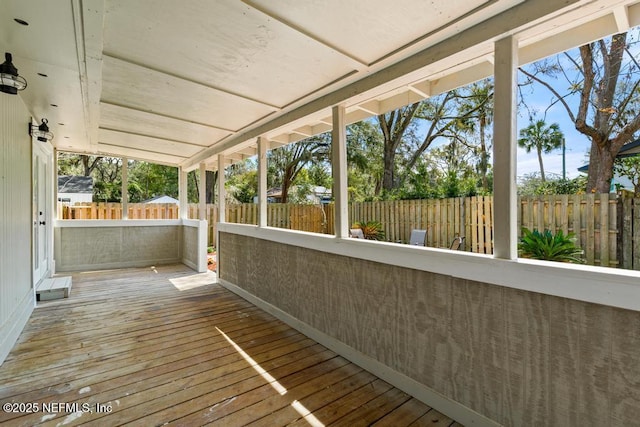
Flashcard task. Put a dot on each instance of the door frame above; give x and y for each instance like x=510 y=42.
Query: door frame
x=42 y=153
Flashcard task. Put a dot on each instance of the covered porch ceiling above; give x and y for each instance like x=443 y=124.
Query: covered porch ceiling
x=177 y=83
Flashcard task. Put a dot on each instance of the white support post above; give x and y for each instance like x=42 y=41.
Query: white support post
x=125 y=188
x=182 y=194
x=339 y=170
x=221 y=192
x=504 y=149
x=263 y=146
x=202 y=192
x=56 y=213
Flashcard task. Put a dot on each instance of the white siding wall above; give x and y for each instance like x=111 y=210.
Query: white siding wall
x=16 y=294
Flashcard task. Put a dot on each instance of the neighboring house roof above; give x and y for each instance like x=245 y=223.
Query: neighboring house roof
x=161 y=199
x=627 y=150
x=75 y=184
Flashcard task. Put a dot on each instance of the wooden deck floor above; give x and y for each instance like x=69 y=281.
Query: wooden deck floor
x=165 y=346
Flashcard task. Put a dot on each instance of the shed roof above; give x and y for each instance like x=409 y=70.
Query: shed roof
x=75 y=184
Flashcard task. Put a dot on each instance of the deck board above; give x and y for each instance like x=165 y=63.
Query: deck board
x=158 y=347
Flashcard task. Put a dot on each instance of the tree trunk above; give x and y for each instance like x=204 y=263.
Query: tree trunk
x=600 y=168
x=484 y=158
x=541 y=165
x=285 y=191
x=89 y=167
x=388 y=176
x=210 y=181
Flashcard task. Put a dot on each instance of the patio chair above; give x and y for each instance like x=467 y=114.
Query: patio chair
x=356 y=233
x=418 y=237
x=457 y=243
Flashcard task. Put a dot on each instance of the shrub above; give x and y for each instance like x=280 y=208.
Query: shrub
x=372 y=230
x=549 y=246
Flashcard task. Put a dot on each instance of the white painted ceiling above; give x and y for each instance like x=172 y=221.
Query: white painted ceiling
x=178 y=81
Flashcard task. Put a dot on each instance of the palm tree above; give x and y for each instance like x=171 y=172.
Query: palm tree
x=476 y=116
x=541 y=137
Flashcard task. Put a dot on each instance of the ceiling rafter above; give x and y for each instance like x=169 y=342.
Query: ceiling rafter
x=185 y=79
x=110 y=144
x=422 y=89
x=621 y=16
x=372 y=107
x=137 y=154
x=146 y=136
x=168 y=116
x=358 y=63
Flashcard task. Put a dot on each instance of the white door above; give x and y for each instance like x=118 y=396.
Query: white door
x=41 y=211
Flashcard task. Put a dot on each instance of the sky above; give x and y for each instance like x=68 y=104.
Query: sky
x=577 y=147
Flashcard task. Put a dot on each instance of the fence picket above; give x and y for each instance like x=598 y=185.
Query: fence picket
x=635 y=264
x=604 y=230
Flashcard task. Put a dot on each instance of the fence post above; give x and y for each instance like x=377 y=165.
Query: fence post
x=625 y=230
x=635 y=234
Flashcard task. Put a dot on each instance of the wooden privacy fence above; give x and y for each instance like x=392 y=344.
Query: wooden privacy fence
x=114 y=211
x=629 y=236
x=593 y=218
x=607 y=227
x=444 y=220
x=313 y=218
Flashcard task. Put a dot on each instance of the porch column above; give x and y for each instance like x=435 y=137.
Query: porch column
x=504 y=149
x=56 y=205
x=263 y=146
x=221 y=192
x=202 y=192
x=182 y=194
x=339 y=171
x=125 y=188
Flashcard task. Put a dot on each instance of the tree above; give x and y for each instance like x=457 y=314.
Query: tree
x=630 y=167
x=285 y=163
x=532 y=185
x=480 y=105
x=446 y=116
x=542 y=138
x=246 y=187
x=364 y=160
x=147 y=180
x=393 y=126
x=607 y=110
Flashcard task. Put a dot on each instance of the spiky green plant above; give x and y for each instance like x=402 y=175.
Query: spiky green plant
x=549 y=246
x=372 y=230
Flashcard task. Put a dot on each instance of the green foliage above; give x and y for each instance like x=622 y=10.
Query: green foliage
x=629 y=167
x=372 y=230
x=285 y=163
x=541 y=138
x=244 y=194
x=549 y=246
x=454 y=186
x=148 y=180
x=145 y=180
x=532 y=185
x=244 y=187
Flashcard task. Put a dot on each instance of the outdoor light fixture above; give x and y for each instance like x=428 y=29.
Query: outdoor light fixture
x=41 y=132
x=10 y=81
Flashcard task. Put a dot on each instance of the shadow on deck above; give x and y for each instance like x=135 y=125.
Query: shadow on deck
x=165 y=345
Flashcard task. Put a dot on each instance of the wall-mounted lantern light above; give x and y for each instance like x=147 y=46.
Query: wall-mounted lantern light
x=41 y=132
x=10 y=81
